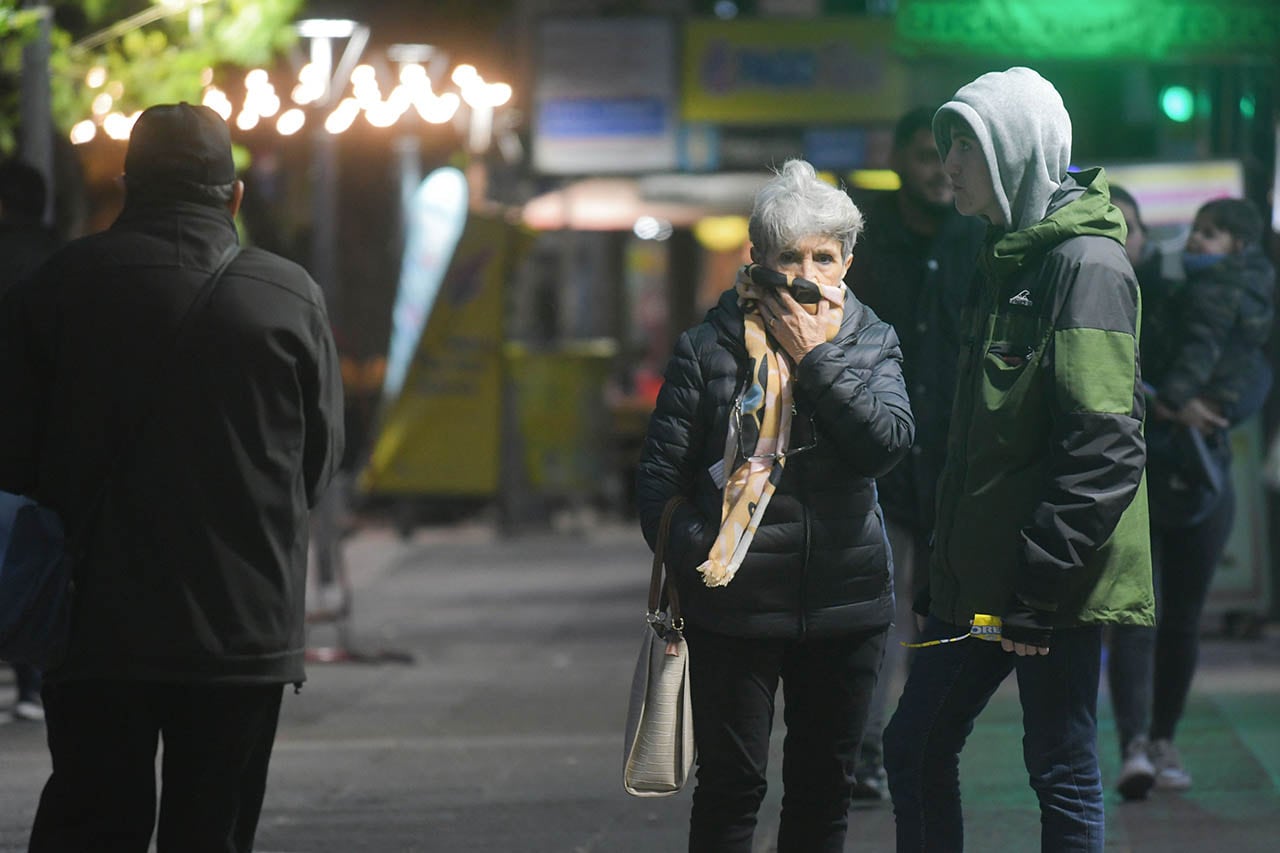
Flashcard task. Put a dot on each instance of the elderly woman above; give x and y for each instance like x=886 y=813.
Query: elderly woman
x=776 y=416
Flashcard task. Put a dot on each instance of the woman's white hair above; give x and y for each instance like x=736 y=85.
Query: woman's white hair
x=795 y=204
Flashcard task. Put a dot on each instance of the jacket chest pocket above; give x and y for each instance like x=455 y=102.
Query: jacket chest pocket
x=1014 y=348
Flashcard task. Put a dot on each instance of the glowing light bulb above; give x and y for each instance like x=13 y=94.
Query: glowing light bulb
x=464 y=74
x=83 y=132
x=291 y=121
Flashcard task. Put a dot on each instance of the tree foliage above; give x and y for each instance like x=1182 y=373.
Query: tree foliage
x=157 y=61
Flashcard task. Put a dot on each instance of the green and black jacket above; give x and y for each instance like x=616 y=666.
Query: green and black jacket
x=1042 y=495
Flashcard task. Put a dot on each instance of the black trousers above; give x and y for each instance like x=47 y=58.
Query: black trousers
x=103 y=736
x=827 y=685
x=1150 y=669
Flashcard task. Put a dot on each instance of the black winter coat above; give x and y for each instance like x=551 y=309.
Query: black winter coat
x=918 y=284
x=196 y=569
x=1213 y=342
x=819 y=564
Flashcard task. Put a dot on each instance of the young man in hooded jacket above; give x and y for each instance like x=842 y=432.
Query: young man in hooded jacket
x=1042 y=510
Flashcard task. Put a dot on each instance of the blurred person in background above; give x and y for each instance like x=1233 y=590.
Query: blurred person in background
x=1041 y=511
x=1206 y=370
x=1148 y=263
x=188 y=615
x=914 y=264
x=25 y=242
x=773 y=421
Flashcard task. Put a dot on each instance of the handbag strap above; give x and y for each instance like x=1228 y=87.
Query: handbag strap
x=660 y=588
x=197 y=303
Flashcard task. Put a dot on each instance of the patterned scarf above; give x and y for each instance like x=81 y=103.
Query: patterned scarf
x=765 y=422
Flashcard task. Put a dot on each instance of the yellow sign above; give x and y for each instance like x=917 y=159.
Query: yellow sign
x=560 y=409
x=792 y=71
x=442 y=434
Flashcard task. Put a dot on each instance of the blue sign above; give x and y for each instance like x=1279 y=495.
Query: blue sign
x=835 y=147
x=588 y=117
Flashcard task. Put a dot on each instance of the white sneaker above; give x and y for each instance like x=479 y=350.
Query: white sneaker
x=1170 y=774
x=1137 y=774
x=28 y=710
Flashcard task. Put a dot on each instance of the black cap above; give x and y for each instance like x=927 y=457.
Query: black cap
x=179 y=144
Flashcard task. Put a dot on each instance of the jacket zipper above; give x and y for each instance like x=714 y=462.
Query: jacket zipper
x=804 y=562
x=977 y=352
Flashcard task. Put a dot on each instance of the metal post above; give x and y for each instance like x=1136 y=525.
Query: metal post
x=324 y=164
x=324 y=215
x=36 y=141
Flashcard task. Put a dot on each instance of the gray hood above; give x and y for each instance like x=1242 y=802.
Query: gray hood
x=1025 y=132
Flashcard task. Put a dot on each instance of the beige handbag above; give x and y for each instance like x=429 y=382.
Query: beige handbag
x=658 y=749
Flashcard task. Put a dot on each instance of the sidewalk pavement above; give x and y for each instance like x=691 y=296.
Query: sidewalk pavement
x=503 y=734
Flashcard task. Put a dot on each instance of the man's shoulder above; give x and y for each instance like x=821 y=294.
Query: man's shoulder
x=108 y=247
x=278 y=271
x=1092 y=250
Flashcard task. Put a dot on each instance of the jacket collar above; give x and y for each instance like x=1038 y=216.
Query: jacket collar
x=1080 y=207
x=198 y=233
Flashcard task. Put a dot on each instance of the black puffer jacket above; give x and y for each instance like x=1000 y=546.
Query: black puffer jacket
x=819 y=564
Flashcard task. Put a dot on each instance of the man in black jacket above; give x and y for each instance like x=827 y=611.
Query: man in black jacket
x=913 y=268
x=214 y=433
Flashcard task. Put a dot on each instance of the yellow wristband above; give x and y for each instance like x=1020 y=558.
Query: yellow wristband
x=983 y=626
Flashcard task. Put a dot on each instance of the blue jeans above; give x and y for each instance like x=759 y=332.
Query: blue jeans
x=948 y=687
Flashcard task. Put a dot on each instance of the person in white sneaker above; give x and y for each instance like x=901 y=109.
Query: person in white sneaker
x=28 y=707
x=1202 y=355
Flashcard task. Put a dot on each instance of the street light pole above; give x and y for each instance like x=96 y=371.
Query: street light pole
x=326 y=520
x=36 y=140
x=324 y=150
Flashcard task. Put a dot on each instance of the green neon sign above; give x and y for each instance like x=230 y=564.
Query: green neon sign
x=1089 y=29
